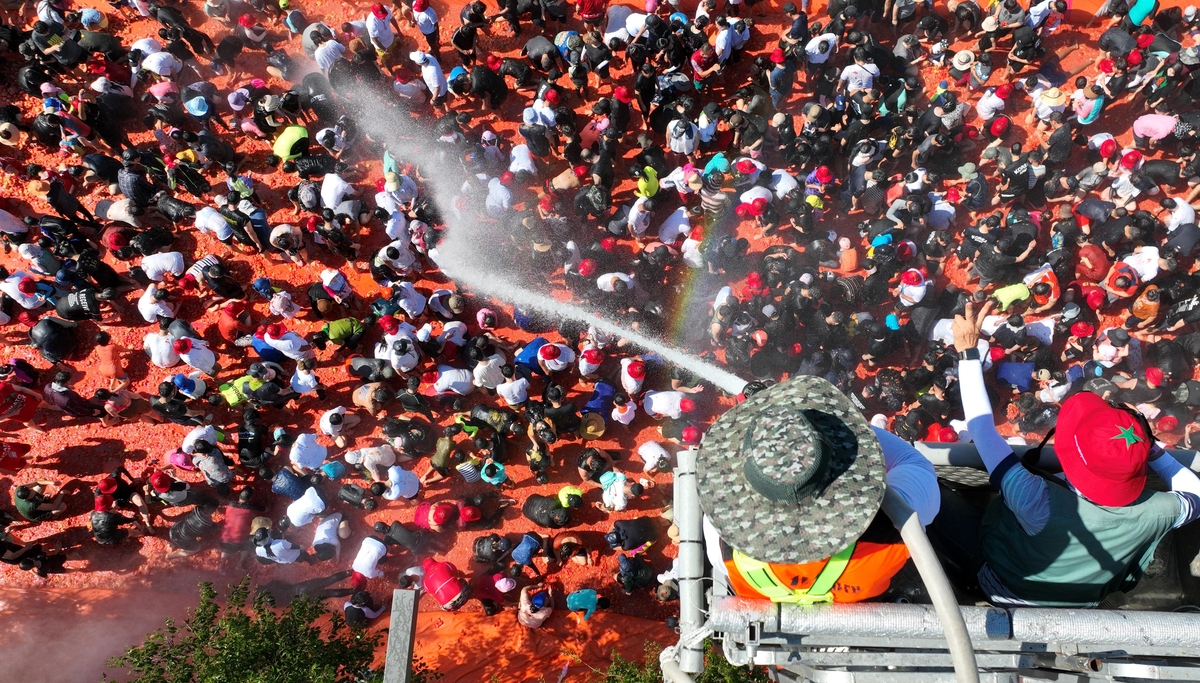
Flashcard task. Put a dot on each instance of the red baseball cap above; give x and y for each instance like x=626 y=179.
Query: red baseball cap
x=1103 y=450
x=1131 y=159
x=1108 y=148
x=1095 y=299
x=442 y=513
x=160 y=482
x=469 y=513
x=551 y=97
x=182 y=345
x=580 y=171
x=102 y=503
x=742 y=210
x=506 y=178
x=275 y=330
x=999 y=126
x=947 y=435
x=687 y=405
x=246 y=21
x=1005 y=91
x=1133 y=58
x=996 y=353
x=27 y=286
x=378 y=10
x=593 y=356
x=1168 y=423
x=389 y=324
x=429 y=377
x=691 y=434
x=550 y=352
x=622 y=94
x=608 y=243
x=637 y=370
x=745 y=166
x=754 y=279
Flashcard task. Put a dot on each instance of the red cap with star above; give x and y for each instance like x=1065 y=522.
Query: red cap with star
x=1103 y=450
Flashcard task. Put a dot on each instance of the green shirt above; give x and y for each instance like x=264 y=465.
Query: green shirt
x=1007 y=296
x=566 y=491
x=340 y=331
x=28 y=507
x=583 y=600
x=1086 y=551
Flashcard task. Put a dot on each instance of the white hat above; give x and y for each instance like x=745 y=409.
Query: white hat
x=505 y=584
x=9 y=134
x=963 y=59
x=769 y=310
x=489 y=136
x=354 y=457
x=418 y=57
x=100 y=85
x=879 y=420
x=1190 y=12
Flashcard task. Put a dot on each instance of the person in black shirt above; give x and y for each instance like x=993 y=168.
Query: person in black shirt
x=54 y=338
x=359 y=611
x=545 y=511
x=484 y=81
x=188 y=534
x=84 y=304
x=398 y=534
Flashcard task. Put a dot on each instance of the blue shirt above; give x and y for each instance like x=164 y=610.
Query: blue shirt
x=583 y=600
x=601 y=399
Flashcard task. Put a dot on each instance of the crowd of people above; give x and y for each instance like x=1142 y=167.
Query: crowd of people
x=842 y=183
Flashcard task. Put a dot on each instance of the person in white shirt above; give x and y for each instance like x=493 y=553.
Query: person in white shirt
x=157 y=266
x=639 y=216
x=1144 y=260
x=158 y=345
x=303 y=510
x=499 y=197
x=1182 y=213
x=676 y=225
x=633 y=373
x=608 y=281
x=654 y=457
x=556 y=357
x=521 y=161
x=288 y=343
x=411 y=301
x=672 y=404
x=821 y=48
x=326 y=544
x=435 y=79
x=515 y=389
x=783 y=183
x=22 y=288
x=487 y=372
x=401 y=484
x=307 y=454
x=207 y=433
x=276 y=550
x=153 y=304
x=195 y=352
x=209 y=220
x=426 y=20
x=992 y=103
x=335 y=422
x=453 y=380
x=857 y=76
x=334 y=190
x=617 y=491
x=163 y=64
x=381 y=28
x=327 y=54
x=366 y=562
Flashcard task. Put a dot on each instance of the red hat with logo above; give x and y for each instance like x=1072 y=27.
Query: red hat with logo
x=999 y=126
x=468 y=514
x=1131 y=159
x=1103 y=450
x=637 y=370
x=442 y=513
x=687 y=405
x=161 y=482
x=691 y=434
x=622 y=94
x=587 y=267
x=1108 y=148
x=389 y=324
x=592 y=356
x=550 y=351
x=1005 y=91
x=381 y=13
x=947 y=435
x=1083 y=329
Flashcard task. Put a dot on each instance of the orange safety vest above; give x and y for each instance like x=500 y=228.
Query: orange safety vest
x=868 y=574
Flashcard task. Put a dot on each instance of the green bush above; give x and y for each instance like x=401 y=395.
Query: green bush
x=233 y=644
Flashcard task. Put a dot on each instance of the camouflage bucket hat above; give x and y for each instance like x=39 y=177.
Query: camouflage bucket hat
x=793 y=475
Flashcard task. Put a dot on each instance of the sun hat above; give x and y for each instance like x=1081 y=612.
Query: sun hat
x=9 y=134
x=238 y=99
x=777 y=56
x=622 y=94
x=989 y=24
x=1190 y=56
x=1053 y=97
x=1117 y=336
x=1108 y=148
x=963 y=59
x=1083 y=329
x=1102 y=449
x=792 y=475
x=107 y=485
x=504 y=584
x=824 y=174
x=591 y=426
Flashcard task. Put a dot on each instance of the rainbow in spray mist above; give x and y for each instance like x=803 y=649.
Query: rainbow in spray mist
x=466 y=251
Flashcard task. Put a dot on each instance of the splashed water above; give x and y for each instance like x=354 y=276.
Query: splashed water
x=459 y=256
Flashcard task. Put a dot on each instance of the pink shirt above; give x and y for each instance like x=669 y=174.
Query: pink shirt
x=1154 y=126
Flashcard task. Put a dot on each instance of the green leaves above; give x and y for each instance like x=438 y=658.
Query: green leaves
x=236 y=643
x=716 y=669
